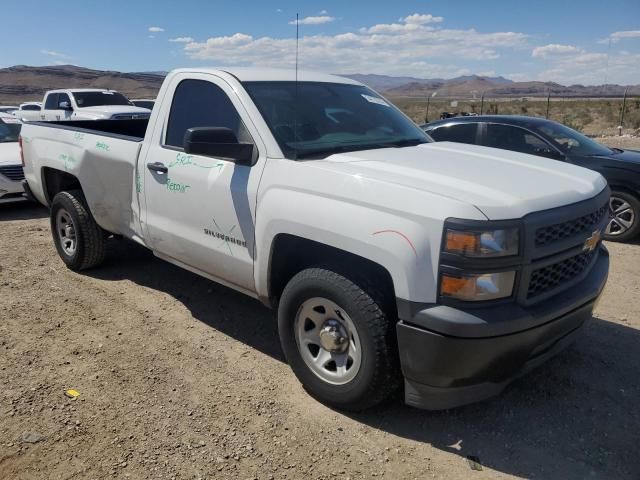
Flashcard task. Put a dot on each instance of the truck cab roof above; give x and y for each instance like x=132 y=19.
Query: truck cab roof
x=247 y=74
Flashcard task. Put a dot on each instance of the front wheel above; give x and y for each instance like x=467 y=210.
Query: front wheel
x=624 y=217
x=79 y=240
x=338 y=339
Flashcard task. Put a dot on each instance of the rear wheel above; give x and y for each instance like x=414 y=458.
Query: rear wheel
x=624 y=217
x=79 y=240
x=338 y=339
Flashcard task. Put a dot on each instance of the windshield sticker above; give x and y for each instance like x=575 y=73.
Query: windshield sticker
x=79 y=136
x=376 y=100
x=107 y=93
x=184 y=160
x=176 y=187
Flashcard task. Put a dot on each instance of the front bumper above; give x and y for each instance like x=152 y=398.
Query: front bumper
x=448 y=362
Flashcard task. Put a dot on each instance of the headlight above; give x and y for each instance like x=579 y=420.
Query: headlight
x=477 y=287
x=482 y=243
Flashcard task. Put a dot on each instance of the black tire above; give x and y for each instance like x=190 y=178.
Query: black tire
x=634 y=229
x=90 y=238
x=378 y=375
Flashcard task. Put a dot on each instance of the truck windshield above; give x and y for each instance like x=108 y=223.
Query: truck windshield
x=315 y=120
x=9 y=131
x=97 y=99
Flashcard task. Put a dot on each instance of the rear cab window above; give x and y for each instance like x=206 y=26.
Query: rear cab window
x=51 y=102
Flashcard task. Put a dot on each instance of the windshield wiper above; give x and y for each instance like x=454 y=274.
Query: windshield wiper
x=407 y=142
x=339 y=149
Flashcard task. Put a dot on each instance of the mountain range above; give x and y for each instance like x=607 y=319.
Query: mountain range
x=22 y=83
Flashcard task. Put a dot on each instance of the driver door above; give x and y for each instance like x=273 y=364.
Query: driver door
x=199 y=210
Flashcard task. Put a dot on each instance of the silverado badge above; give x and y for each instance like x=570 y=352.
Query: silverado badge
x=592 y=242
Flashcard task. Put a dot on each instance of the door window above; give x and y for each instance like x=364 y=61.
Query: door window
x=63 y=97
x=198 y=103
x=460 y=132
x=518 y=140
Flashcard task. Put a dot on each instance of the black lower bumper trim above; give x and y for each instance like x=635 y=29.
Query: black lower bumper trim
x=444 y=370
x=430 y=397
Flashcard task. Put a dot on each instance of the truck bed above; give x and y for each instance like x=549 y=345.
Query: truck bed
x=101 y=154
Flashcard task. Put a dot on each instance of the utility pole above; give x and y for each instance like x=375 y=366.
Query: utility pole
x=624 y=103
x=482 y=104
x=548 y=98
x=426 y=115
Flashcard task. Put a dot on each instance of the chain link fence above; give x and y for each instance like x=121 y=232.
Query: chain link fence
x=592 y=116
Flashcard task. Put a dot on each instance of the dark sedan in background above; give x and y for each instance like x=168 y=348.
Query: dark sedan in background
x=538 y=136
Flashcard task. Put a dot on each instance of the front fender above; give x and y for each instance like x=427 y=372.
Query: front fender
x=407 y=249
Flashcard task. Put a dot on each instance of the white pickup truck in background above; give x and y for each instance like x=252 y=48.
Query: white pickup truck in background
x=455 y=267
x=84 y=104
x=27 y=109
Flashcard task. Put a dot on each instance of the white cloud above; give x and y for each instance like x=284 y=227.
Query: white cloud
x=323 y=12
x=416 y=48
x=592 y=68
x=554 y=49
x=53 y=53
x=419 y=19
x=181 y=40
x=156 y=29
x=617 y=36
x=319 y=20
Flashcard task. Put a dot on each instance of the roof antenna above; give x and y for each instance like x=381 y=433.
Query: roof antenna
x=295 y=107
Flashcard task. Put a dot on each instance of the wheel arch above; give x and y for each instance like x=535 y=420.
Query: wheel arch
x=55 y=181
x=290 y=254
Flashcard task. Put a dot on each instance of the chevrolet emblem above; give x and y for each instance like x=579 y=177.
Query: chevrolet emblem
x=592 y=242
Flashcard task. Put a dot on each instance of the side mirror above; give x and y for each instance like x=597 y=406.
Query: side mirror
x=65 y=106
x=217 y=142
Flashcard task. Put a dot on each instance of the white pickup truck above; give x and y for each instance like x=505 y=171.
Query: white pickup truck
x=455 y=268
x=84 y=104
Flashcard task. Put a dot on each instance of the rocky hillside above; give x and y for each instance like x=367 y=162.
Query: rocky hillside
x=22 y=83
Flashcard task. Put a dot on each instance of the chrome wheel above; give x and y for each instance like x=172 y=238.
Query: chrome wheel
x=66 y=232
x=328 y=341
x=621 y=216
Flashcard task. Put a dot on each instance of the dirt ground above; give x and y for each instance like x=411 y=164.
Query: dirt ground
x=182 y=378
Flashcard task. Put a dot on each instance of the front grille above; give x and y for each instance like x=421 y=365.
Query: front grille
x=548 y=278
x=12 y=172
x=553 y=233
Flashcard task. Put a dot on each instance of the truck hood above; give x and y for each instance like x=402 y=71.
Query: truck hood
x=502 y=184
x=9 y=153
x=109 y=110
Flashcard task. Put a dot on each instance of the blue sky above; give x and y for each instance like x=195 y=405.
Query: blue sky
x=571 y=41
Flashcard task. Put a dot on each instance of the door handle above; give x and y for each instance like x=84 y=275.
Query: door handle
x=157 y=167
